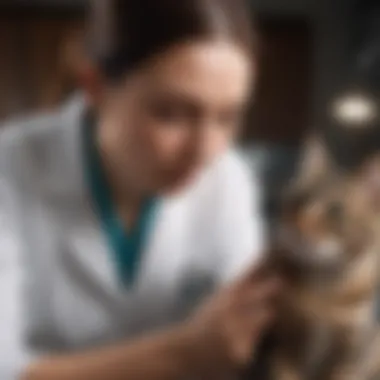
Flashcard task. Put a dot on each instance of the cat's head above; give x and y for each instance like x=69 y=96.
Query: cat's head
x=327 y=225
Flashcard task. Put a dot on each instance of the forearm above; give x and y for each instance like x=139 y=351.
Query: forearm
x=165 y=356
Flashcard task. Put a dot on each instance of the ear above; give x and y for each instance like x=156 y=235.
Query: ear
x=371 y=171
x=316 y=164
x=369 y=181
x=315 y=167
x=91 y=81
x=80 y=68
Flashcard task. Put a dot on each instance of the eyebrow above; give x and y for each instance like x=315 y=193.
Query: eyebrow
x=178 y=96
x=194 y=102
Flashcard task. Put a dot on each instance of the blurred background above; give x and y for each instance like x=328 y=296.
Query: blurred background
x=319 y=70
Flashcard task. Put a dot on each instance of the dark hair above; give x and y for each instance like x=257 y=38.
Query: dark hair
x=123 y=34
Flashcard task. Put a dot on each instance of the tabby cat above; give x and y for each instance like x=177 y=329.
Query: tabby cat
x=327 y=250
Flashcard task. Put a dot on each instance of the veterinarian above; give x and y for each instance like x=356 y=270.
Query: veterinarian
x=129 y=206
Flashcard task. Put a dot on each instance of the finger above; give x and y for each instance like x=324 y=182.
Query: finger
x=254 y=297
x=265 y=292
x=268 y=289
x=250 y=323
x=255 y=322
x=248 y=293
x=260 y=321
x=247 y=333
x=257 y=273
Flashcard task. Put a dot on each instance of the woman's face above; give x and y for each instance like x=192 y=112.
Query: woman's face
x=171 y=118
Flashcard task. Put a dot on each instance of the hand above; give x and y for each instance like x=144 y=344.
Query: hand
x=226 y=330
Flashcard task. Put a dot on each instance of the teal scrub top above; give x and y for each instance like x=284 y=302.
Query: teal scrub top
x=126 y=246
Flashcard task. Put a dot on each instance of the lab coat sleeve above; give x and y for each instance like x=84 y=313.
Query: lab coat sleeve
x=15 y=356
x=241 y=234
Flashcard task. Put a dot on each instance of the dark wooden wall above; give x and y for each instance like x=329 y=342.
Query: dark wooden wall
x=35 y=75
x=34 y=69
x=281 y=108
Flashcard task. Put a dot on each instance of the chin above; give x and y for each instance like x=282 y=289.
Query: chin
x=325 y=255
x=180 y=183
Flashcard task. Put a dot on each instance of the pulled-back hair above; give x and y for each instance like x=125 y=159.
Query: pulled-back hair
x=124 y=34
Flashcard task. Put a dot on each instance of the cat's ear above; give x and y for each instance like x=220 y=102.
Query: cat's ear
x=371 y=171
x=315 y=165
x=369 y=181
x=314 y=168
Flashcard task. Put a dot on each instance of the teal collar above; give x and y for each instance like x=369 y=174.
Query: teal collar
x=126 y=246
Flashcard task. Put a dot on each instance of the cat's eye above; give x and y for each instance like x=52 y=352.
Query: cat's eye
x=335 y=211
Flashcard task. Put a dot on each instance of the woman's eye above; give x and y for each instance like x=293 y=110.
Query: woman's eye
x=167 y=112
x=173 y=112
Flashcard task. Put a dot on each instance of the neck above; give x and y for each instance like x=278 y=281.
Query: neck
x=127 y=199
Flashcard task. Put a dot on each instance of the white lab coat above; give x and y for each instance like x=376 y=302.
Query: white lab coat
x=58 y=286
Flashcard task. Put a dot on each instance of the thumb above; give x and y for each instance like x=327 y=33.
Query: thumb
x=256 y=273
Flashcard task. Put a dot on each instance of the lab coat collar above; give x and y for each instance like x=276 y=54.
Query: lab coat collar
x=54 y=154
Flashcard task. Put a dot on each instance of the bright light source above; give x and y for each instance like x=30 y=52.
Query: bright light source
x=355 y=111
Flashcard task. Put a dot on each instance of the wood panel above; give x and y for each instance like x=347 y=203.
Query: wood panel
x=48 y=75
x=282 y=103
x=33 y=74
x=11 y=95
